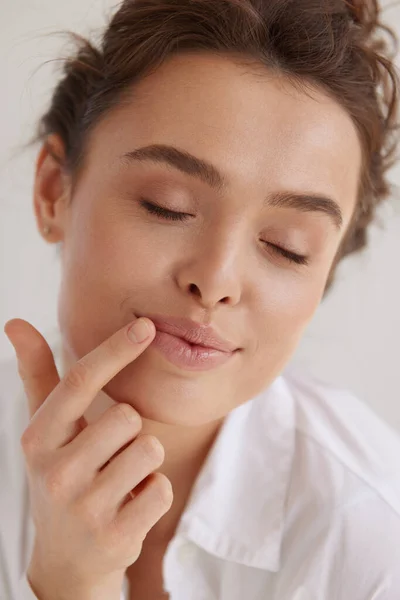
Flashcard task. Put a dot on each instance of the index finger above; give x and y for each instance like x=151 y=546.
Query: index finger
x=57 y=421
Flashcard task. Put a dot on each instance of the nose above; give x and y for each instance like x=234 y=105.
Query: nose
x=211 y=274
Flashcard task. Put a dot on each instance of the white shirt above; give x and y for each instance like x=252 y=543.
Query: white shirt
x=299 y=499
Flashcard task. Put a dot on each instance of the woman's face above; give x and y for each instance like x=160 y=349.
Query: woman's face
x=218 y=266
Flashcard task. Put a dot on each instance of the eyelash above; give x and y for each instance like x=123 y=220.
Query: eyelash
x=177 y=216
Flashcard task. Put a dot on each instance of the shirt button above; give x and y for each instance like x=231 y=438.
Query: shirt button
x=187 y=553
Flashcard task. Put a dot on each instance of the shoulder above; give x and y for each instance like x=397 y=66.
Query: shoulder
x=337 y=424
x=343 y=503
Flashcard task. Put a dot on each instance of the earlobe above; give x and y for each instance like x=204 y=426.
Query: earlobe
x=50 y=189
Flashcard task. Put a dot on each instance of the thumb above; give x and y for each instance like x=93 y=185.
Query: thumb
x=36 y=365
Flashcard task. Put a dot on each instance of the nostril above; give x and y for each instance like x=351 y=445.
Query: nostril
x=194 y=289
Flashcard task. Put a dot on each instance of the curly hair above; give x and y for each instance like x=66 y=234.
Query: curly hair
x=339 y=45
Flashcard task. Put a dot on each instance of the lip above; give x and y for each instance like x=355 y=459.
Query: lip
x=192 y=332
x=187 y=356
x=189 y=345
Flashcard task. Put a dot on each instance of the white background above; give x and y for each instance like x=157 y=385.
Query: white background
x=353 y=340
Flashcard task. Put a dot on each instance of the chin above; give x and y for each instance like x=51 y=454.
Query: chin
x=167 y=397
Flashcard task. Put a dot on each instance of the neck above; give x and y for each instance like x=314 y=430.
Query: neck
x=186 y=449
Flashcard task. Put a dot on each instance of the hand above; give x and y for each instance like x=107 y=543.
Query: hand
x=89 y=527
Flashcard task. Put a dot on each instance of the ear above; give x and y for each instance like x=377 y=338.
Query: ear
x=51 y=189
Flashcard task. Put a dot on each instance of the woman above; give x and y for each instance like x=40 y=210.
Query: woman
x=206 y=168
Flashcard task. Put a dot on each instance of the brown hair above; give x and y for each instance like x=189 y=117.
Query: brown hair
x=338 y=45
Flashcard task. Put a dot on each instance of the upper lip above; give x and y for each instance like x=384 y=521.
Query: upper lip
x=191 y=331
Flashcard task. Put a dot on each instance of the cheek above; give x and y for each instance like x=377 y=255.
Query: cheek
x=279 y=330
x=106 y=251
x=284 y=313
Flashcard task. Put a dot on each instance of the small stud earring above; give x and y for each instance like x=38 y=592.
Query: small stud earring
x=46 y=230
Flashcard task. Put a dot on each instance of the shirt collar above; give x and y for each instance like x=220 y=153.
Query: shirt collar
x=237 y=506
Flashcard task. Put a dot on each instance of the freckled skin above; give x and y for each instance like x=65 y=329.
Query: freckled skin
x=118 y=260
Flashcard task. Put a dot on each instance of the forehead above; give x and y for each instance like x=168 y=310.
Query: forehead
x=254 y=126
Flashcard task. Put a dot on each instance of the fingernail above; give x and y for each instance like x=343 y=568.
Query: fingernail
x=139 y=331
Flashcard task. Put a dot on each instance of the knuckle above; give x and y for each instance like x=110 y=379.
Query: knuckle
x=163 y=487
x=126 y=412
x=29 y=442
x=57 y=481
x=152 y=447
x=77 y=376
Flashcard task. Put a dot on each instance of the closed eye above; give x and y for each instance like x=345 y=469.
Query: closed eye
x=164 y=212
x=299 y=259
x=172 y=215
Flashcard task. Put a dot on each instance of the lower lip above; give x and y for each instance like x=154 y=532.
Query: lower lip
x=184 y=355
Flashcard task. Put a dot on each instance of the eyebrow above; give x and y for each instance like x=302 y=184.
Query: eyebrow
x=208 y=173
